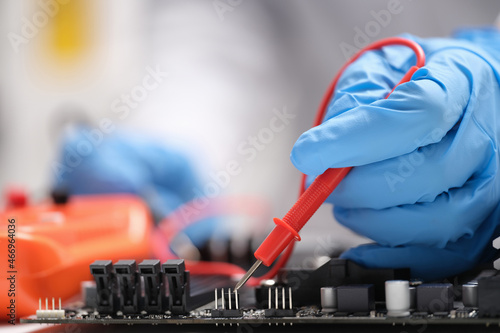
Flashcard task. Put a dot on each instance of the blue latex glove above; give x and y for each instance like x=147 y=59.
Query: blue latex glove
x=425 y=184
x=124 y=162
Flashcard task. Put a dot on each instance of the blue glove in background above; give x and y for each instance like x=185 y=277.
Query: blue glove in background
x=426 y=185
x=125 y=162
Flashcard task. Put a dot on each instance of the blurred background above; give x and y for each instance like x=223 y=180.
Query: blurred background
x=216 y=81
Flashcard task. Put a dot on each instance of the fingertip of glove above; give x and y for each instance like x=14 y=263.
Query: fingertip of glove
x=302 y=155
x=299 y=154
x=298 y=161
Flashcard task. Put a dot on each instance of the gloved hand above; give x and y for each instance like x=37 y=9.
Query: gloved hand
x=425 y=184
x=124 y=162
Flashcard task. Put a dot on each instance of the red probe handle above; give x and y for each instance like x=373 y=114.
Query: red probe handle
x=287 y=230
x=309 y=202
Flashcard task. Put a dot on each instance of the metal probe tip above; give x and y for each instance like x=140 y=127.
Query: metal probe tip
x=247 y=275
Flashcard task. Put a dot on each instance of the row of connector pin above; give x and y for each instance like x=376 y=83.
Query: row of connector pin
x=47 y=313
x=224 y=308
x=277 y=298
x=229 y=301
x=280 y=294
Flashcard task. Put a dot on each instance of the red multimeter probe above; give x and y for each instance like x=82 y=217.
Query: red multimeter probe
x=287 y=229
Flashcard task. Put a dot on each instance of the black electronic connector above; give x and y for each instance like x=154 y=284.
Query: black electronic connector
x=107 y=297
x=154 y=288
x=129 y=285
x=178 y=289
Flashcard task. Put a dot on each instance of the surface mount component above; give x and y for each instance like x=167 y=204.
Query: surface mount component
x=397 y=298
x=328 y=299
x=469 y=295
x=435 y=297
x=489 y=296
x=358 y=298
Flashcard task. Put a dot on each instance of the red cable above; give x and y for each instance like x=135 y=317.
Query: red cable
x=341 y=172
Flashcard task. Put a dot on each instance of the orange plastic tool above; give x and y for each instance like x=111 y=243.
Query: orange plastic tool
x=55 y=244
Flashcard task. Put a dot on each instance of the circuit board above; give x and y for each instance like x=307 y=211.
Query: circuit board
x=339 y=292
x=305 y=315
